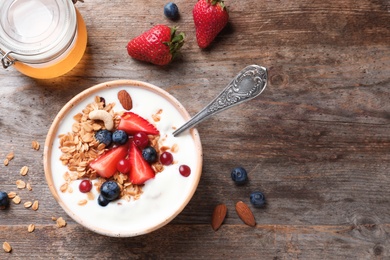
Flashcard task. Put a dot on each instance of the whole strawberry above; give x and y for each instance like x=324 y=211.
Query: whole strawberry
x=159 y=45
x=210 y=17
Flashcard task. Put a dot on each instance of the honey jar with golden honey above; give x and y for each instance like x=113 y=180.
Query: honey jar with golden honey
x=41 y=38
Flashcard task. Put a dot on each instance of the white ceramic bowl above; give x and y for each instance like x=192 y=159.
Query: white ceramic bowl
x=163 y=197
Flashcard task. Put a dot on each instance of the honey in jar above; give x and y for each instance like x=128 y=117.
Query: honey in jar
x=41 y=38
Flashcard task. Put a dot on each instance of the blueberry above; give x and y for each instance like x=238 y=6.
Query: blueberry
x=110 y=190
x=102 y=201
x=103 y=101
x=171 y=11
x=4 y=201
x=104 y=136
x=149 y=154
x=257 y=199
x=119 y=137
x=239 y=175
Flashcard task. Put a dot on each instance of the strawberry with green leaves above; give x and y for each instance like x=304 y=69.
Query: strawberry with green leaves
x=159 y=45
x=210 y=17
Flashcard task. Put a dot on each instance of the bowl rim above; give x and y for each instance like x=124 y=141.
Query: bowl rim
x=51 y=135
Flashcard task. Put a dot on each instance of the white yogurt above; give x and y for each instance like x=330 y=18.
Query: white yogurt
x=163 y=197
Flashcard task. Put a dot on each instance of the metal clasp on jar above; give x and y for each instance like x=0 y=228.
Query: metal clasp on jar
x=6 y=60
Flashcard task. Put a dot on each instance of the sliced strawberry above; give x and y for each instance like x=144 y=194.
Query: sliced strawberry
x=132 y=123
x=140 y=170
x=105 y=165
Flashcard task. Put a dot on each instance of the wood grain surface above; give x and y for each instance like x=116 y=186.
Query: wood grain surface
x=316 y=142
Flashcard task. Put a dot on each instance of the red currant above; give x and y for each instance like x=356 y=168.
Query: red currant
x=85 y=186
x=141 y=140
x=185 y=170
x=166 y=158
x=123 y=166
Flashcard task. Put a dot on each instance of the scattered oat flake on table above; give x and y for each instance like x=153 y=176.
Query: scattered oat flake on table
x=16 y=199
x=31 y=228
x=61 y=222
x=35 y=205
x=20 y=184
x=24 y=170
x=6 y=162
x=10 y=156
x=7 y=247
x=28 y=186
x=11 y=195
x=35 y=145
x=27 y=204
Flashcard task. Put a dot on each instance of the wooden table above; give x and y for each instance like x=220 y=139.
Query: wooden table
x=316 y=142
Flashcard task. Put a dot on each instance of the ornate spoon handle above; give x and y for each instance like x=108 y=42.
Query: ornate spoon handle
x=248 y=84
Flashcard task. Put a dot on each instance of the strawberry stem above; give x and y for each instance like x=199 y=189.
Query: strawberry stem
x=220 y=2
x=176 y=42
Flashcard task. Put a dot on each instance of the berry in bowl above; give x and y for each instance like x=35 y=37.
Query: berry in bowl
x=113 y=164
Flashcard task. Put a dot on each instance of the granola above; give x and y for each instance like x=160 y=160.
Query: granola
x=79 y=147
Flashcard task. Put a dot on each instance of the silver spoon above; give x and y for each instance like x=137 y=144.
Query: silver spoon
x=248 y=84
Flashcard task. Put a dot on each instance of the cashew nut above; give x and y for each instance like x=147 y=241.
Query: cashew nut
x=104 y=116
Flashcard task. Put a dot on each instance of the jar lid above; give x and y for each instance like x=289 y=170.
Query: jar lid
x=36 y=31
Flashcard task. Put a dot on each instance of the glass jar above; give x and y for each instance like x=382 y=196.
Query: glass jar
x=41 y=38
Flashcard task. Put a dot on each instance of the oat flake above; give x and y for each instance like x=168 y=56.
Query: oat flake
x=10 y=156
x=64 y=187
x=6 y=162
x=27 y=204
x=11 y=195
x=24 y=170
x=35 y=205
x=82 y=202
x=175 y=148
x=20 y=184
x=16 y=199
x=35 y=145
x=31 y=228
x=61 y=222
x=90 y=196
x=7 y=247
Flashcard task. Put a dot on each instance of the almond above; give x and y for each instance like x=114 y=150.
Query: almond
x=245 y=214
x=125 y=99
x=218 y=216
